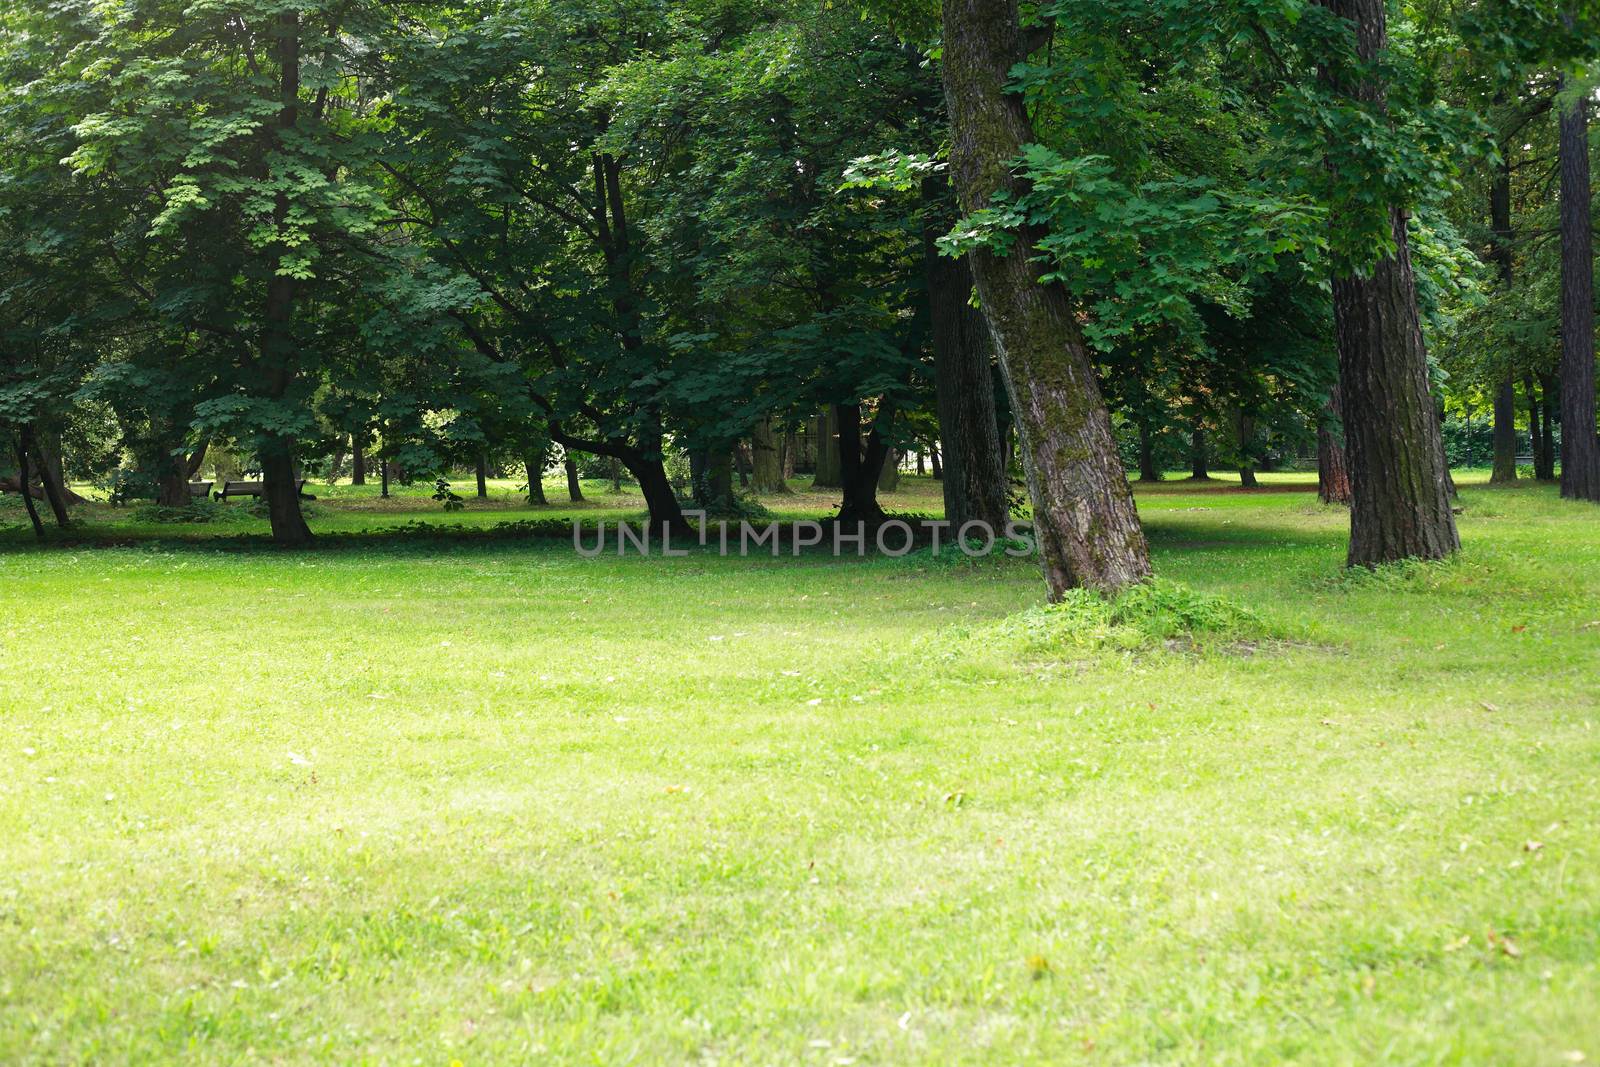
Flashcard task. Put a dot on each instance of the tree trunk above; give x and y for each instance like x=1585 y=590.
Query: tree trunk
x=658 y=495
x=358 y=460
x=574 y=487
x=859 y=468
x=969 y=460
x=1200 y=471
x=384 y=470
x=1147 y=456
x=1400 y=505
x=172 y=479
x=1085 y=522
x=827 y=474
x=283 y=495
x=534 y=461
x=791 y=449
x=46 y=451
x=1333 y=469
x=1547 y=430
x=937 y=464
x=889 y=476
x=482 y=472
x=922 y=462
x=1246 y=425
x=765 y=461
x=24 y=477
x=1505 y=398
x=1580 y=451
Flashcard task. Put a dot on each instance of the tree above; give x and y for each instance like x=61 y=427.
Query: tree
x=1400 y=501
x=1084 y=517
x=1580 y=449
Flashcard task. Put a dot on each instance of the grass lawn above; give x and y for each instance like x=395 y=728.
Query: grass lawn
x=401 y=800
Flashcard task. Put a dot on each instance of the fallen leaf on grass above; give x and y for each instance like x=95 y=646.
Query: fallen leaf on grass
x=1505 y=944
x=1459 y=943
x=1532 y=846
x=1488 y=706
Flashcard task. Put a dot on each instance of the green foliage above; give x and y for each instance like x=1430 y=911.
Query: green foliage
x=1157 y=614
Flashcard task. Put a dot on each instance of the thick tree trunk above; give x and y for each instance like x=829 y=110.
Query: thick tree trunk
x=827 y=474
x=574 y=486
x=1199 y=466
x=172 y=479
x=283 y=495
x=1505 y=398
x=482 y=471
x=658 y=495
x=859 y=468
x=1333 y=469
x=1148 y=472
x=1400 y=505
x=765 y=462
x=791 y=449
x=1084 y=517
x=24 y=477
x=1580 y=451
x=358 y=459
x=533 y=462
x=969 y=460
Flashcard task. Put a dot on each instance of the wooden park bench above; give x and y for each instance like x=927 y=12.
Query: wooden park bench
x=257 y=489
x=200 y=490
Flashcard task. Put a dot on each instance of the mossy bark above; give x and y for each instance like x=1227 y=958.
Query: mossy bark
x=1084 y=517
x=1400 y=487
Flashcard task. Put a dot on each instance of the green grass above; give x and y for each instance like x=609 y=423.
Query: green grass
x=413 y=801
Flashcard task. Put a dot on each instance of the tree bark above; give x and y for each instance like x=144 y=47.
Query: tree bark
x=1580 y=450
x=358 y=459
x=1333 y=469
x=283 y=495
x=1148 y=471
x=1547 y=428
x=969 y=461
x=1199 y=469
x=533 y=462
x=278 y=349
x=937 y=464
x=1246 y=424
x=859 y=467
x=50 y=475
x=24 y=477
x=1400 y=505
x=574 y=487
x=483 y=476
x=765 y=462
x=791 y=448
x=1505 y=398
x=827 y=474
x=1085 y=522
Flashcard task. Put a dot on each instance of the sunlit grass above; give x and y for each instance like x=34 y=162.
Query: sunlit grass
x=421 y=801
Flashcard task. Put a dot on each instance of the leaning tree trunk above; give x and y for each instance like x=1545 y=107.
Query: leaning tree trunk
x=24 y=477
x=1333 y=468
x=1084 y=517
x=969 y=462
x=1580 y=450
x=1505 y=397
x=49 y=476
x=1400 y=505
x=665 y=511
x=766 y=462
